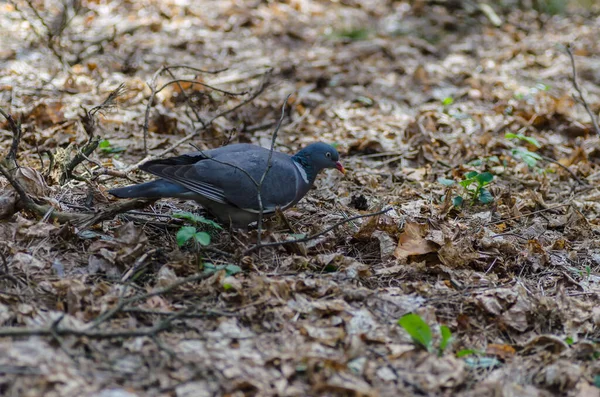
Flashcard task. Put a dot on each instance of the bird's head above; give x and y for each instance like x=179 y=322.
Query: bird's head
x=318 y=156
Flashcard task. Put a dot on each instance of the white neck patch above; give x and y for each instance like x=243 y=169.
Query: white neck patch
x=302 y=171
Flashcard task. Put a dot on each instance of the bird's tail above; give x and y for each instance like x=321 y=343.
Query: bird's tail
x=155 y=189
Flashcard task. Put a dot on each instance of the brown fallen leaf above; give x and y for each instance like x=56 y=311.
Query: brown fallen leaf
x=412 y=242
x=501 y=351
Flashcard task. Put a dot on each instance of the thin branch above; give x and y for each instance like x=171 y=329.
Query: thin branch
x=54 y=331
x=187 y=138
x=11 y=158
x=564 y=167
x=313 y=236
x=529 y=214
x=154 y=91
x=267 y=169
x=580 y=93
x=136 y=298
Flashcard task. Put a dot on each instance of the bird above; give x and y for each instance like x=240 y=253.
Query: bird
x=226 y=180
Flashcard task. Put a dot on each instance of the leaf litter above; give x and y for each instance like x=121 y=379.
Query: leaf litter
x=418 y=96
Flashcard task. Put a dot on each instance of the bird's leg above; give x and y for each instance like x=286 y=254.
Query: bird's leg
x=281 y=218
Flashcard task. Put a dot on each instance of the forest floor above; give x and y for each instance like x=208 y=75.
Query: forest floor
x=470 y=133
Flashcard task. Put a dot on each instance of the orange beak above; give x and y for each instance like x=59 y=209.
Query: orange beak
x=340 y=167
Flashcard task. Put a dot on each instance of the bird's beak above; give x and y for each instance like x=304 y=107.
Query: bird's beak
x=340 y=167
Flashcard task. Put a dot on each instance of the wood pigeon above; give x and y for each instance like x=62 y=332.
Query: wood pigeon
x=225 y=180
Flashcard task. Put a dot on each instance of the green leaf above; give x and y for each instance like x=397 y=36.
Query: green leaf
x=446 y=182
x=418 y=329
x=105 y=146
x=471 y=175
x=465 y=352
x=203 y=238
x=528 y=139
x=184 y=234
x=569 y=340
x=197 y=219
x=485 y=197
x=230 y=270
x=457 y=201
x=227 y=287
x=597 y=381
x=484 y=178
x=466 y=182
x=447 y=101
x=446 y=337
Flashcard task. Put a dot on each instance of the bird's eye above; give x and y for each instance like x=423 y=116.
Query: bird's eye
x=328 y=155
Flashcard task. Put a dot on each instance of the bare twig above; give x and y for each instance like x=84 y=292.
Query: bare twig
x=11 y=158
x=529 y=214
x=55 y=331
x=564 y=167
x=267 y=169
x=136 y=298
x=313 y=236
x=189 y=137
x=88 y=121
x=580 y=97
x=154 y=91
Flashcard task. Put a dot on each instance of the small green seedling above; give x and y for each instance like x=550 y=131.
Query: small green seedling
x=418 y=330
x=191 y=233
x=187 y=233
x=106 y=147
x=475 y=184
x=447 y=101
x=521 y=153
x=446 y=339
x=230 y=270
x=421 y=334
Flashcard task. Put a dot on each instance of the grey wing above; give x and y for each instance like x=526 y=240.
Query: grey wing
x=230 y=175
x=186 y=175
x=238 y=178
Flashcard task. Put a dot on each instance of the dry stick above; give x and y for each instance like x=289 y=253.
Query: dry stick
x=578 y=89
x=183 y=140
x=529 y=214
x=188 y=103
x=81 y=219
x=313 y=236
x=154 y=91
x=269 y=165
x=136 y=298
x=14 y=147
x=49 y=34
x=564 y=167
x=54 y=331
x=89 y=125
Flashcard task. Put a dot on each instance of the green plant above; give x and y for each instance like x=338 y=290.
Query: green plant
x=230 y=270
x=474 y=184
x=448 y=101
x=421 y=334
x=106 y=147
x=521 y=153
x=187 y=233
x=352 y=34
